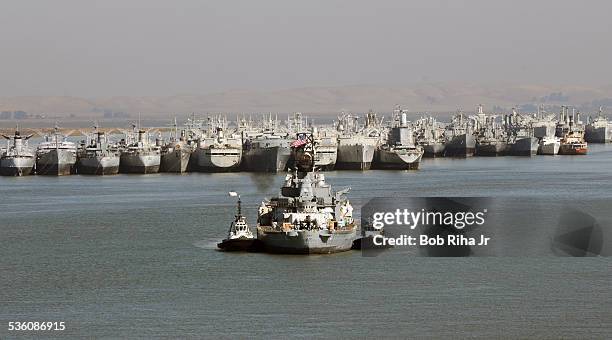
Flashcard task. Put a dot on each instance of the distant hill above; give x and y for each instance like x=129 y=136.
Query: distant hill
x=425 y=97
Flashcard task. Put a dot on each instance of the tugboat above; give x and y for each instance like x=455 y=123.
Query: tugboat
x=19 y=158
x=307 y=217
x=239 y=236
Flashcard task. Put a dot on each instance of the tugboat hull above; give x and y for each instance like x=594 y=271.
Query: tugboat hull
x=241 y=244
x=16 y=166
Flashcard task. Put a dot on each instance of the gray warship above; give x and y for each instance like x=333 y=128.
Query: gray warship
x=491 y=138
x=97 y=156
x=218 y=153
x=460 y=140
x=599 y=130
x=139 y=156
x=400 y=151
x=430 y=136
x=176 y=153
x=307 y=217
x=19 y=158
x=356 y=147
x=521 y=141
x=56 y=156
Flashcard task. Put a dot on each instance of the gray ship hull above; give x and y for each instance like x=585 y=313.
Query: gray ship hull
x=271 y=159
x=16 y=166
x=326 y=158
x=550 y=149
x=527 y=146
x=175 y=161
x=306 y=241
x=139 y=163
x=433 y=150
x=398 y=159
x=462 y=145
x=598 y=135
x=57 y=162
x=219 y=159
x=355 y=157
x=98 y=165
x=491 y=149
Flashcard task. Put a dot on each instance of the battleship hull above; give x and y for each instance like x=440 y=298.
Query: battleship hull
x=305 y=241
x=174 y=161
x=527 y=146
x=598 y=134
x=58 y=162
x=462 y=145
x=270 y=159
x=218 y=159
x=398 y=159
x=490 y=149
x=355 y=156
x=139 y=163
x=98 y=165
x=433 y=150
x=16 y=166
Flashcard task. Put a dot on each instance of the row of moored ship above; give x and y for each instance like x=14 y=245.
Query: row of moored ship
x=348 y=144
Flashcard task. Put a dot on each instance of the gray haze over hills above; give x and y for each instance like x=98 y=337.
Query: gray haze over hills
x=158 y=57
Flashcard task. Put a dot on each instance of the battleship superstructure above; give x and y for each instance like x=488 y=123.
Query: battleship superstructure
x=400 y=151
x=98 y=156
x=140 y=156
x=19 y=158
x=56 y=156
x=307 y=217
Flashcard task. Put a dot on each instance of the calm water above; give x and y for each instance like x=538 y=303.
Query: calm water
x=134 y=256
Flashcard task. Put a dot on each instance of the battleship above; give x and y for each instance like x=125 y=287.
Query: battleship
x=56 y=156
x=19 y=158
x=599 y=130
x=356 y=147
x=139 y=156
x=98 y=157
x=307 y=217
x=239 y=235
x=400 y=152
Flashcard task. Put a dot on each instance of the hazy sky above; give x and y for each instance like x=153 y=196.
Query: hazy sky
x=145 y=47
